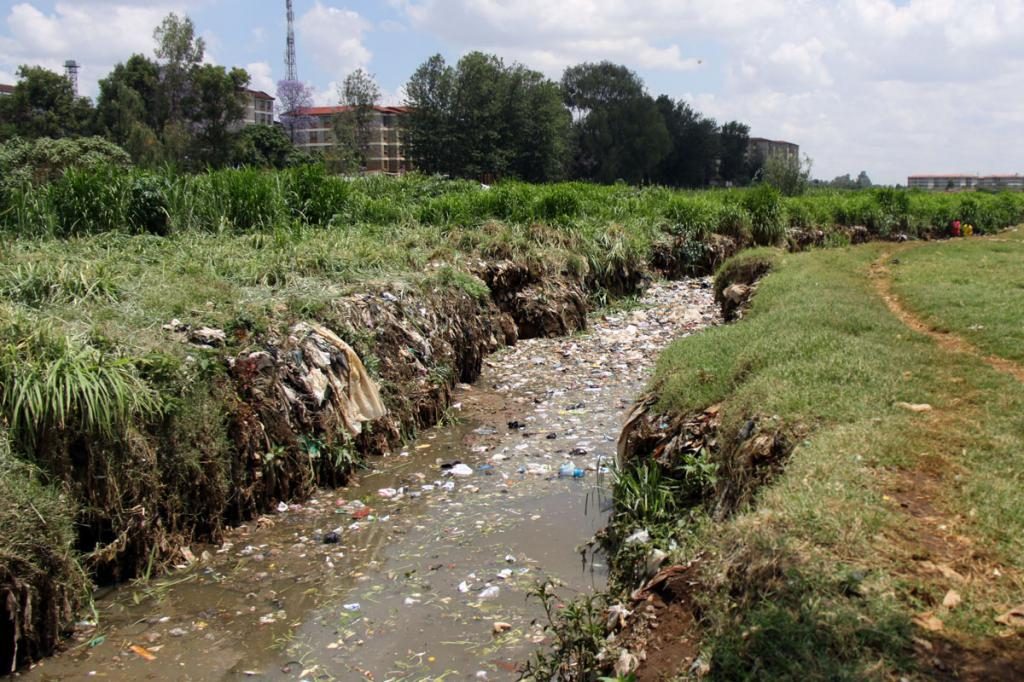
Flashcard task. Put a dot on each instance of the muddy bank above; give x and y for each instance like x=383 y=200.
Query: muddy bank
x=437 y=545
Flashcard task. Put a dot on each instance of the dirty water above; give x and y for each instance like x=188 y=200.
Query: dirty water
x=421 y=569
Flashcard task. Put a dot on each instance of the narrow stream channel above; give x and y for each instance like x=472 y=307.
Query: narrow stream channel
x=429 y=576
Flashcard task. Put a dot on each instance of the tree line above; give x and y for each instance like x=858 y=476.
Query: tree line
x=478 y=118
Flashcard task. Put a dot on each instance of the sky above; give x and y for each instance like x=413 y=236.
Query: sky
x=892 y=87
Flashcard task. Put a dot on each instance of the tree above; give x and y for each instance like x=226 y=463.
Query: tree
x=694 y=146
x=734 y=142
x=215 y=106
x=788 y=174
x=180 y=53
x=353 y=128
x=293 y=98
x=130 y=96
x=538 y=126
x=44 y=105
x=484 y=119
x=429 y=128
x=618 y=130
x=264 y=146
x=863 y=181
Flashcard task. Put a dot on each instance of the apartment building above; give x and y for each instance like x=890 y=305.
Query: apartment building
x=763 y=148
x=259 y=108
x=966 y=181
x=385 y=153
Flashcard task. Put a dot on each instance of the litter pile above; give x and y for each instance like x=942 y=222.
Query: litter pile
x=421 y=567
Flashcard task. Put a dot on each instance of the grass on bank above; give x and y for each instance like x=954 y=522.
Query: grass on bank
x=821 y=577
x=975 y=291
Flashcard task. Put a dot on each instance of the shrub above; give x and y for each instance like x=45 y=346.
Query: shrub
x=148 y=209
x=558 y=204
x=89 y=201
x=313 y=196
x=693 y=217
x=243 y=199
x=734 y=221
x=767 y=215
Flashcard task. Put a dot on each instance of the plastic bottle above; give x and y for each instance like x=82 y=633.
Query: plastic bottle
x=566 y=470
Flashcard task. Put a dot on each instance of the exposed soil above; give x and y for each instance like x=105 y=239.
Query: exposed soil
x=666 y=630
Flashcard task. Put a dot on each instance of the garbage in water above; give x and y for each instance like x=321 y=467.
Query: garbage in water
x=423 y=564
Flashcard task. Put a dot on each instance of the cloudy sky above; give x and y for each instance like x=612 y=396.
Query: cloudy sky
x=892 y=87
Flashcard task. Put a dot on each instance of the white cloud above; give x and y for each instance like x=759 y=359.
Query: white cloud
x=333 y=37
x=97 y=34
x=261 y=77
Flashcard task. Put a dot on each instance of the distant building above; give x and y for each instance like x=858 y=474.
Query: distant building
x=966 y=181
x=6 y=89
x=259 y=108
x=1000 y=182
x=386 y=153
x=763 y=148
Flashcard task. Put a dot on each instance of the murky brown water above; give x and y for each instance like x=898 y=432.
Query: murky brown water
x=418 y=579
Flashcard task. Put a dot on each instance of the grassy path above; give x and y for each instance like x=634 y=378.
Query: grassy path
x=947 y=340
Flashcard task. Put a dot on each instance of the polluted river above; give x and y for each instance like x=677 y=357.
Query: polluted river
x=422 y=567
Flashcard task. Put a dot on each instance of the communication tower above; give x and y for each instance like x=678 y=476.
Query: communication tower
x=289 y=58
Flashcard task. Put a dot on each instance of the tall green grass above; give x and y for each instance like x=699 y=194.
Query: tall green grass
x=110 y=198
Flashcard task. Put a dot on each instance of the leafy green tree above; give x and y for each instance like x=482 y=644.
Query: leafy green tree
x=131 y=95
x=695 y=145
x=44 y=105
x=734 y=142
x=789 y=175
x=180 y=52
x=618 y=130
x=215 y=106
x=429 y=128
x=353 y=128
x=863 y=181
x=539 y=126
x=264 y=146
x=484 y=119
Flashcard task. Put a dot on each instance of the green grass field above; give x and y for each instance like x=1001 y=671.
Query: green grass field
x=975 y=291
x=879 y=511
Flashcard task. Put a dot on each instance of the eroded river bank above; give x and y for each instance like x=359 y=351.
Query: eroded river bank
x=421 y=568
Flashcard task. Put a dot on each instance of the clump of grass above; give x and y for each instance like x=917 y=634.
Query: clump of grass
x=36 y=283
x=50 y=382
x=767 y=214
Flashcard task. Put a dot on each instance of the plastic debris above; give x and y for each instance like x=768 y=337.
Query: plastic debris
x=639 y=537
x=489 y=592
x=460 y=470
